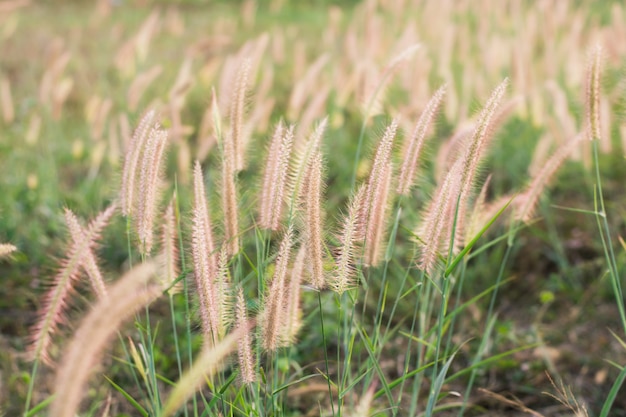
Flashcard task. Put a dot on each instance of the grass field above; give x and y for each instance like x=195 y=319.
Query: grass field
x=285 y=208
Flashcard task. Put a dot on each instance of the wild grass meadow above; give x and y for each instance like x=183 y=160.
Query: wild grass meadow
x=312 y=208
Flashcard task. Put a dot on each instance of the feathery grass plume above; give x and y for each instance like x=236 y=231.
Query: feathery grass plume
x=293 y=318
x=169 y=249
x=206 y=364
x=245 y=355
x=474 y=151
x=435 y=217
x=344 y=272
x=229 y=204
x=275 y=298
x=133 y=153
x=415 y=143
x=149 y=183
x=135 y=290
x=89 y=262
x=275 y=177
x=268 y=187
x=470 y=160
x=223 y=298
x=232 y=153
x=592 y=103
x=312 y=190
x=237 y=105
x=204 y=259
x=377 y=224
x=527 y=201
x=377 y=196
x=55 y=300
x=301 y=159
x=6 y=249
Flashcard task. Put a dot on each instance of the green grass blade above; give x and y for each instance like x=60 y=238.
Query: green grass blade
x=370 y=351
x=126 y=395
x=436 y=389
x=39 y=407
x=491 y=359
x=284 y=387
x=608 y=403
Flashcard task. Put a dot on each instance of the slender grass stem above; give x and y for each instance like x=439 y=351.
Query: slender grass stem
x=330 y=390
x=31 y=387
x=605 y=237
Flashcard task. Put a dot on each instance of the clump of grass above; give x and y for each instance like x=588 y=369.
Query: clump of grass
x=368 y=260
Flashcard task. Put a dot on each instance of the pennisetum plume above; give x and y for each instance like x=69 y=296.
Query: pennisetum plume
x=149 y=184
x=237 y=106
x=293 y=318
x=435 y=216
x=275 y=298
x=303 y=152
x=229 y=202
x=223 y=298
x=275 y=177
x=232 y=160
x=376 y=200
x=592 y=102
x=56 y=298
x=415 y=143
x=131 y=161
x=204 y=258
x=312 y=190
x=474 y=153
x=244 y=352
x=344 y=272
x=469 y=160
x=89 y=262
x=169 y=249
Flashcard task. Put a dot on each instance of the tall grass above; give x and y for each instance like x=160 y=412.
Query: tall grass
x=324 y=282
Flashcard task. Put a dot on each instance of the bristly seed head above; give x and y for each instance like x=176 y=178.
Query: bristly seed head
x=313 y=188
x=593 y=94
x=344 y=273
x=415 y=143
x=129 y=173
x=246 y=356
x=274 y=303
x=377 y=196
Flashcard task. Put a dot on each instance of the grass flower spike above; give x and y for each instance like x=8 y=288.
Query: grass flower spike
x=415 y=143
x=376 y=202
x=275 y=299
x=204 y=260
x=56 y=298
x=275 y=177
x=312 y=190
x=149 y=184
